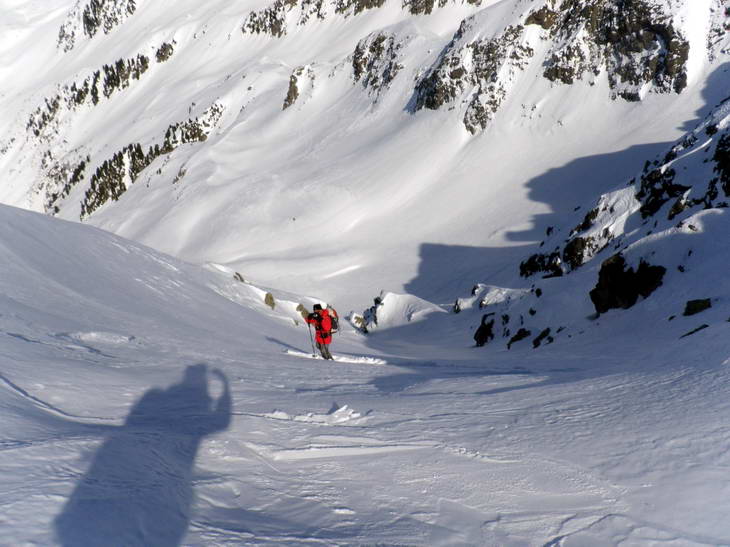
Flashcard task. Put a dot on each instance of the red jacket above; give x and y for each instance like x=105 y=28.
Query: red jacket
x=322 y=324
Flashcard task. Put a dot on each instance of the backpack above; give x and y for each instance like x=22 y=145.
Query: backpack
x=334 y=318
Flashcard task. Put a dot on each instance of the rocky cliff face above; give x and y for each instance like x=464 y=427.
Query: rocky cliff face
x=166 y=106
x=88 y=19
x=624 y=247
x=635 y=43
x=482 y=70
x=637 y=46
x=692 y=175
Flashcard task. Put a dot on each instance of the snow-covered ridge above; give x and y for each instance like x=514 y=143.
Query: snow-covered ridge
x=152 y=399
x=646 y=49
x=693 y=174
x=203 y=137
x=666 y=228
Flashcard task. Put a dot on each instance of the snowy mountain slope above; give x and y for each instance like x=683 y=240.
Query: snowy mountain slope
x=229 y=133
x=662 y=237
x=117 y=422
x=337 y=149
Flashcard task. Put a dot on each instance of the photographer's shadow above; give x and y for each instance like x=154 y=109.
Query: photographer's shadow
x=138 y=490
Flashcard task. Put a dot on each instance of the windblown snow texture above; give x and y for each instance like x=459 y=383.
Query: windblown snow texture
x=557 y=170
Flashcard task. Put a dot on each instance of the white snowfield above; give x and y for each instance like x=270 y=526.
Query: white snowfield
x=142 y=407
x=346 y=192
x=149 y=395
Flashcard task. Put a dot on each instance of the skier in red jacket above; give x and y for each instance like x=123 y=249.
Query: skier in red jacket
x=323 y=326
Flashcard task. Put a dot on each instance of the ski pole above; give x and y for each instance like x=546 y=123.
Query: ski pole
x=311 y=339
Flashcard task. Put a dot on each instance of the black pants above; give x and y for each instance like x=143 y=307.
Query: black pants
x=324 y=349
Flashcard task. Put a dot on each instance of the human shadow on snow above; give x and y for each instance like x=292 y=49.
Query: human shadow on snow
x=138 y=490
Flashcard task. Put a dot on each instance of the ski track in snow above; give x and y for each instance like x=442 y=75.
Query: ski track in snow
x=339 y=358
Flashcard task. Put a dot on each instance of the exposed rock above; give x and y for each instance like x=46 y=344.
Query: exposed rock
x=661 y=182
x=656 y=188
x=63 y=177
x=104 y=82
x=721 y=157
x=549 y=263
x=678 y=208
x=312 y=9
x=356 y=6
x=301 y=80
x=273 y=19
x=693 y=307
x=423 y=7
x=375 y=62
x=112 y=178
x=578 y=250
x=293 y=92
x=545 y=17
x=96 y=15
x=302 y=310
x=521 y=335
x=634 y=41
x=690 y=333
x=164 y=52
x=619 y=287
x=545 y=334
x=472 y=66
x=588 y=221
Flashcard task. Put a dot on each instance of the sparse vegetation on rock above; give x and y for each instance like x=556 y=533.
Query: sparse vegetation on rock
x=112 y=178
x=452 y=75
x=294 y=85
x=635 y=42
x=375 y=62
x=92 y=17
x=273 y=20
x=164 y=52
x=356 y=6
x=63 y=177
x=102 y=83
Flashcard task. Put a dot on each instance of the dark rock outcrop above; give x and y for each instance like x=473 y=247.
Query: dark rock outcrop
x=619 y=287
x=96 y=15
x=473 y=65
x=634 y=41
x=485 y=331
x=521 y=335
x=375 y=62
x=693 y=307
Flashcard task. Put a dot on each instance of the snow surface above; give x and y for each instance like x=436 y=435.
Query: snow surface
x=147 y=401
x=151 y=401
